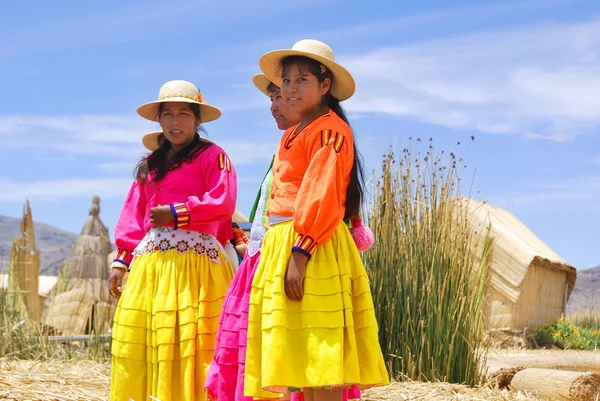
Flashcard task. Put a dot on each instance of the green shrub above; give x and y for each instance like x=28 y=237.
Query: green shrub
x=567 y=335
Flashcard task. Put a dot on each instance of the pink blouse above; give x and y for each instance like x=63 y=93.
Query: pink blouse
x=201 y=193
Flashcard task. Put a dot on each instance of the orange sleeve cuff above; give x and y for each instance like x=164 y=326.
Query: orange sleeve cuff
x=181 y=215
x=305 y=244
x=239 y=237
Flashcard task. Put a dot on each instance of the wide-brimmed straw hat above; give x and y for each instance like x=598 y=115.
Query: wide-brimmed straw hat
x=179 y=91
x=262 y=83
x=343 y=85
x=150 y=141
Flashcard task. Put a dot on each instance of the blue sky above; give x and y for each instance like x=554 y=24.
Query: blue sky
x=523 y=77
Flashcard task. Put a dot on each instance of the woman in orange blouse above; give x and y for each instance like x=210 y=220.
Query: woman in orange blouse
x=312 y=324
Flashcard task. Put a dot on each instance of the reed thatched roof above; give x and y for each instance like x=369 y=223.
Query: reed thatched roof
x=515 y=249
x=24 y=268
x=80 y=300
x=239 y=217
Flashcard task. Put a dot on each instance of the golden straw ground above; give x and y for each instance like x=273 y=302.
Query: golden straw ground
x=89 y=380
x=61 y=381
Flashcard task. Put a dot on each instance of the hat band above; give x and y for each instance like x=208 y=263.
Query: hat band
x=185 y=95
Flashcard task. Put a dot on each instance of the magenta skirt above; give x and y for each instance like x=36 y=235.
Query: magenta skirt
x=225 y=377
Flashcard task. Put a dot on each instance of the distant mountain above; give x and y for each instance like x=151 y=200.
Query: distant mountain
x=586 y=294
x=53 y=244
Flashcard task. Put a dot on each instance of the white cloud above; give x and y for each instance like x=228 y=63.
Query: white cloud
x=539 y=82
x=56 y=190
x=550 y=193
x=109 y=135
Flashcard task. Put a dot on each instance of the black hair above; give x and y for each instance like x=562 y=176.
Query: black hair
x=160 y=163
x=355 y=191
x=272 y=87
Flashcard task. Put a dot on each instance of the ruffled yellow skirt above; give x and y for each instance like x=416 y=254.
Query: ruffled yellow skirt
x=165 y=326
x=329 y=338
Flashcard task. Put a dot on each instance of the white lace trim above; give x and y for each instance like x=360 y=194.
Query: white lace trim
x=163 y=239
x=258 y=230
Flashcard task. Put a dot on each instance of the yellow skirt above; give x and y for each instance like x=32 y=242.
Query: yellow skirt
x=165 y=326
x=329 y=338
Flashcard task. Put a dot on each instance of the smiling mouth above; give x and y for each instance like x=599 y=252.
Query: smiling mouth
x=293 y=99
x=176 y=131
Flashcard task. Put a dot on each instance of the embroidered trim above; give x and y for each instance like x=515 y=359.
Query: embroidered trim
x=293 y=135
x=163 y=239
x=338 y=142
x=325 y=135
x=116 y=264
x=181 y=214
x=306 y=243
x=185 y=95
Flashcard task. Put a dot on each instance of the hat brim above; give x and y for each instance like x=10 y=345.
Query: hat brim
x=150 y=141
x=343 y=86
x=262 y=83
x=149 y=110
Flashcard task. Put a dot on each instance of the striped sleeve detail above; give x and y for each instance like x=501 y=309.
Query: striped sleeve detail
x=305 y=244
x=123 y=259
x=339 y=142
x=338 y=139
x=224 y=162
x=181 y=215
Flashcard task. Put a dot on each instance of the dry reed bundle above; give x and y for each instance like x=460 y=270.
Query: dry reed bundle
x=427 y=391
x=45 y=381
x=85 y=270
x=551 y=384
x=580 y=361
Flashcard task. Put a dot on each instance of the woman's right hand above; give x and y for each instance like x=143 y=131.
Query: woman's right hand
x=294 y=276
x=115 y=281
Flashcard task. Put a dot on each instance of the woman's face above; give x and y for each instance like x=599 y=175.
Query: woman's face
x=301 y=90
x=284 y=117
x=179 y=124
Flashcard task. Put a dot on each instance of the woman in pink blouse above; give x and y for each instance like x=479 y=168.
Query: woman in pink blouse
x=170 y=235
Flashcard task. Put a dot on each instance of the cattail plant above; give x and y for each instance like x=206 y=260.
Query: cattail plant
x=427 y=268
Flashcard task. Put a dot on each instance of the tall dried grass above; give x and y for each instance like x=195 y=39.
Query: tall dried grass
x=427 y=269
x=588 y=319
x=21 y=338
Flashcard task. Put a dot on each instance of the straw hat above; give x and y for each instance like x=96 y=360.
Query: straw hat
x=179 y=91
x=262 y=83
x=150 y=141
x=343 y=84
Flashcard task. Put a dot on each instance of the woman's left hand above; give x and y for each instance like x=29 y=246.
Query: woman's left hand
x=161 y=216
x=294 y=276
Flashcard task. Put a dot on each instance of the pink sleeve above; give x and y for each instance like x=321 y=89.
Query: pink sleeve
x=218 y=202
x=129 y=230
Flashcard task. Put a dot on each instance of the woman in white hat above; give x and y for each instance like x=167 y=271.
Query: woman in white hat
x=169 y=234
x=225 y=380
x=236 y=247
x=311 y=323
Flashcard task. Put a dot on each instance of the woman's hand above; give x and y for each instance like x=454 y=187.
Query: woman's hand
x=241 y=249
x=115 y=280
x=161 y=216
x=294 y=276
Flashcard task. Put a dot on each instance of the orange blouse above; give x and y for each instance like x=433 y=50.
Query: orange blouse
x=311 y=173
